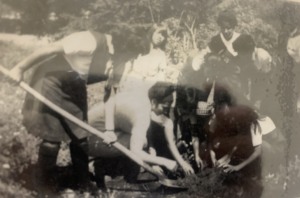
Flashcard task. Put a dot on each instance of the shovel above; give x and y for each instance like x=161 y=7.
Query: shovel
x=128 y=153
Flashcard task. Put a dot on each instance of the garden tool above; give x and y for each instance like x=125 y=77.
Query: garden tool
x=162 y=180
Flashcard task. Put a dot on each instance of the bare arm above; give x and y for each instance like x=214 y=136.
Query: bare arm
x=137 y=143
x=195 y=141
x=156 y=168
x=109 y=111
x=213 y=157
x=168 y=129
x=198 y=159
x=39 y=55
x=255 y=154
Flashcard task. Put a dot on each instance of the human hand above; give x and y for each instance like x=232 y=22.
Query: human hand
x=182 y=143
x=158 y=170
x=171 y=165
x=223 y=161
x=229 y=168
x=152 y=151
x=15 y=75
x=199 y=162
x=110 y=137
x=187 y=169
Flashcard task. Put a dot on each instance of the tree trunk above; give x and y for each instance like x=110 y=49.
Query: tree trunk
x=192 y=32
x=152 y=17
x=184 y=41
x=194 y=39
x=179 y=23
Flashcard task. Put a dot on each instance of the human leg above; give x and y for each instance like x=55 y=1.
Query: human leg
x=131 y=170
x=47 y=180
x=80 y=164
x=108 y=160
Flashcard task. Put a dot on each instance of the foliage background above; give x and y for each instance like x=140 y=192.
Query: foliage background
x=191 y=22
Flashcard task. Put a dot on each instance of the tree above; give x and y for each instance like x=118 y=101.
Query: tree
x=194 y=19
x=35 y=12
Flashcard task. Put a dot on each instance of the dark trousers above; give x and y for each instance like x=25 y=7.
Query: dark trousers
x=114 y=167
x=51 y=178
x=80 y=161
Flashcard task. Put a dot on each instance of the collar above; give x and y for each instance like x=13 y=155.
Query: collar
x=228 y=44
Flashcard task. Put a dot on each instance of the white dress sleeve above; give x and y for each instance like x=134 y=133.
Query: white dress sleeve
x=266 y=125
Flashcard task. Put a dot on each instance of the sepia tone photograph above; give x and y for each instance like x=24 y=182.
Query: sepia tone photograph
x=149 y=98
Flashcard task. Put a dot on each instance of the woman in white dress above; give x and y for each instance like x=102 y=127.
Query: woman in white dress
x=149 y=66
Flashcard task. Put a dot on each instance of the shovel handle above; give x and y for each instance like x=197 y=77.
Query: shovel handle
x=3 y=70
x=80 y=123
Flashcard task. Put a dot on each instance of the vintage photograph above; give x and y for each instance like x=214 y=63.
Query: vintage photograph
x=149 y=98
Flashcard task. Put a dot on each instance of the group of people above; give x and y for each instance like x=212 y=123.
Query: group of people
x=214 y=108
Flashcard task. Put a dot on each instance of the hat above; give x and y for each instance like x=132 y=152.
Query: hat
x=205 y=108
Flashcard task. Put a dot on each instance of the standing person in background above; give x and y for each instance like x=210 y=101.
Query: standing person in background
x=223 y=41
x=149 y=66
x=256 y=65
x=79 y=59
x=219 y=44
x=219 y=56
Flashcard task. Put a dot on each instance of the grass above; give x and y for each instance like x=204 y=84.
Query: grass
x=18 y=149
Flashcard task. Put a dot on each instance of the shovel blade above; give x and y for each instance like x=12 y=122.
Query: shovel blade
x=171 y=184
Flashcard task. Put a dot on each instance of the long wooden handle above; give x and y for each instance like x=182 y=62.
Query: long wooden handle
x=80 y=123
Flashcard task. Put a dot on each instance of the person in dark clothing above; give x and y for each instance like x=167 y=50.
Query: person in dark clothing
x=191 y=126
x=233 y=140
x=256 y=65
x=223 y=41
x=68 y=65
